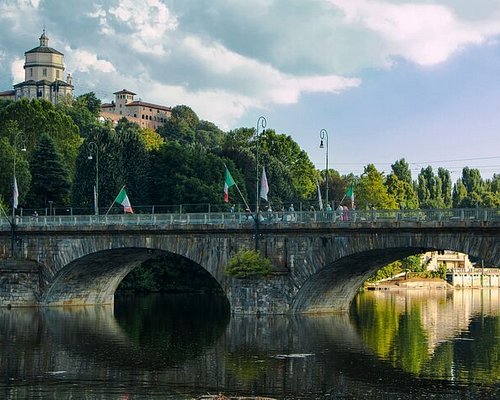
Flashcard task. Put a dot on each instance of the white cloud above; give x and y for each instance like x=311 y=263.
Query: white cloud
x=425 y=34
x=268 y=84
x=17 y=70
x=148 y=20
x=84 y=61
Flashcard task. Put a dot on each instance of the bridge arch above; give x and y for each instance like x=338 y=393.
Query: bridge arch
x=344 y=265
x=93 y=278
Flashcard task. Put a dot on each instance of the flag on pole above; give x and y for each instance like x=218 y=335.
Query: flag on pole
x=264 y=186
x=15 y=194
x=320 y=200
x=122 y=199
x=350 y=193
x=228 y=182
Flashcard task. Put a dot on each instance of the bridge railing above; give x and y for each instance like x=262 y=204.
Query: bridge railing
x=340 y=218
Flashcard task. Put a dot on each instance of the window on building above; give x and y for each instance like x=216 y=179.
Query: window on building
x=31 y=71
x=44 y=72
x=57 y=74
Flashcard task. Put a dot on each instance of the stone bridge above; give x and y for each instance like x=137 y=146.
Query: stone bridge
x=318 y=264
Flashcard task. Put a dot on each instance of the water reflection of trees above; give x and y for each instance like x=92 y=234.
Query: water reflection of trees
x=160 y=325
x=446 y=335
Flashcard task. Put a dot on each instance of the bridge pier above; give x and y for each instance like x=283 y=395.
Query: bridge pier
x=19 y=283
x=269 y=295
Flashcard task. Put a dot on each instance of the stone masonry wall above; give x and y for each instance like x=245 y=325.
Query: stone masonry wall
x=19 y=283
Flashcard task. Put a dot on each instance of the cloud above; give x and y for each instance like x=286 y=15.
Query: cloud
x=147 y=21
x=425 y=34
x=17 y=70
x=266 y=82
x=84 y=61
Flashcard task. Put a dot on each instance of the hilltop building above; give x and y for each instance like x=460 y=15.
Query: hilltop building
x=43 y=73
x=146 y=115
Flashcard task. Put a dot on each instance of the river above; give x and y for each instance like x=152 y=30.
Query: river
x=394 y=345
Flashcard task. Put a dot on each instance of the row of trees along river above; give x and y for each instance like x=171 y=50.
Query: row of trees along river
x=183 y=163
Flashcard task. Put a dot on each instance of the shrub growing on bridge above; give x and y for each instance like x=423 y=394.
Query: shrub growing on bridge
x=248 y=263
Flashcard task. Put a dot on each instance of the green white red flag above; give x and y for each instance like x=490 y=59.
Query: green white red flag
x=228 y=182
x=122 y=199
x=350 y=193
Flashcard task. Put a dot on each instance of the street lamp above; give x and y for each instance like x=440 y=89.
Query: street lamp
x=261 y=122
x=322 y=135
x=93 y=149
x=15 y=193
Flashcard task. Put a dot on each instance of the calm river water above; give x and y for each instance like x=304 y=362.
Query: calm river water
x=406 y=345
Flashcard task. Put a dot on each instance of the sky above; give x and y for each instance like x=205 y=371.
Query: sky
x=387 y=79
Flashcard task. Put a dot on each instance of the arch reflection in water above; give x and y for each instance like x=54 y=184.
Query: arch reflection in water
x=155 y=347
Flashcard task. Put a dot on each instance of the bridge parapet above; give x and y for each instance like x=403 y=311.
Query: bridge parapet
x=346 y=219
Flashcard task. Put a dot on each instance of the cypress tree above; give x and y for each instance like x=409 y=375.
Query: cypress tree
x=49 y=177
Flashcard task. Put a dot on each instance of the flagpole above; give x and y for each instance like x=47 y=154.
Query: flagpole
x=15 y=196
x=262 y=122
x=239 y=191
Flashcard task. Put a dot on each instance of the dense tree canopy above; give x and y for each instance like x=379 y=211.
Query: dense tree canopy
x=50 y=181
x=37 y=117
x=183 y=162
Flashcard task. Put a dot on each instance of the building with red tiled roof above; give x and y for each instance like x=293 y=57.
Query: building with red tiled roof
x=146 y=115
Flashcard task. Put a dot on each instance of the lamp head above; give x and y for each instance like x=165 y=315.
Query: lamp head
x=90 y=157
x=321 y=144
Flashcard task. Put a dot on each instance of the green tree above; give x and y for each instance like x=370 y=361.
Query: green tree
x=190 y=175
x=135 y=157
x=84 y=111
x=472 y=191
x=371 y=189
x=429 y=189
x=111 y=177
x=459 y=194
x=49 y=177
x=283 y=149
x=152 y=139
x=37 y=117
x=446 y=186
x=401 y=169
x=23 y=175
x=181 y=125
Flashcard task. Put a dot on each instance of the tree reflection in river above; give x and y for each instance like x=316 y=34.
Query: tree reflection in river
x=452 y=335
x=393 y=346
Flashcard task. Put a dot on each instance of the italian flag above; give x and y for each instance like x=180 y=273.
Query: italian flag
x=122 y=199
x=350 y=193
x=229 y=181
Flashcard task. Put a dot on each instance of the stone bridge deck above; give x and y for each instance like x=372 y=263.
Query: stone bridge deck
x=320 y=259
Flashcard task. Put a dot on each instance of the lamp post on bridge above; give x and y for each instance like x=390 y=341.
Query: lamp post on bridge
x=93 y=149
x=261 y=122
x=323 y=135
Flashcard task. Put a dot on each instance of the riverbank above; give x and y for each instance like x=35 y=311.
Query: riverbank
x=409 y=283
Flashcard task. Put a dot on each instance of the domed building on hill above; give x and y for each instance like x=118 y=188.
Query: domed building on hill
x=43 y=74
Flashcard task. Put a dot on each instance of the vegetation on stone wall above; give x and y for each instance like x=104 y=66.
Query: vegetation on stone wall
x=248 y=263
